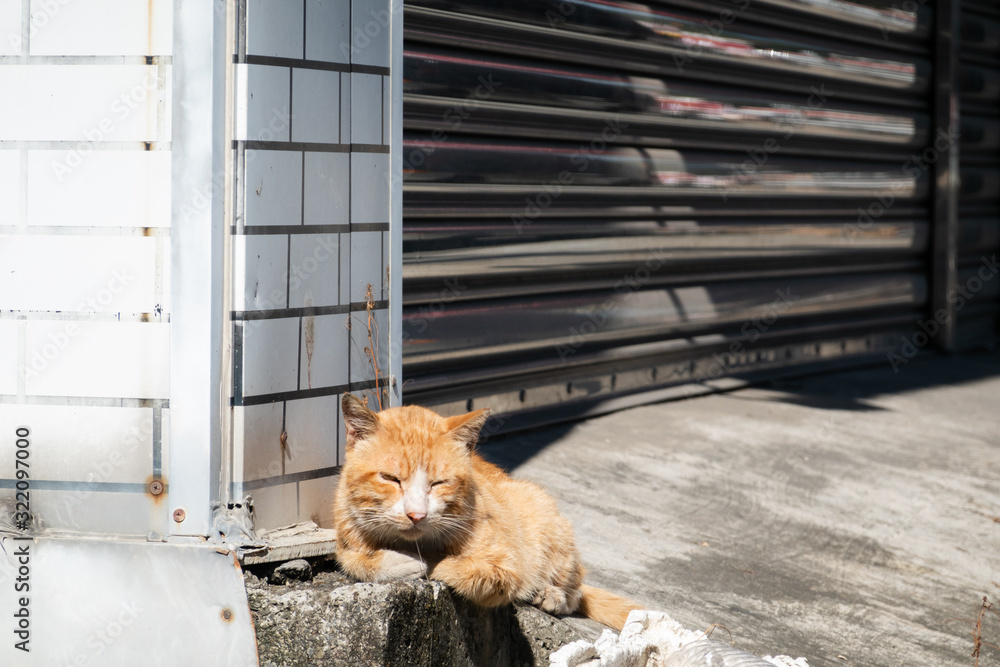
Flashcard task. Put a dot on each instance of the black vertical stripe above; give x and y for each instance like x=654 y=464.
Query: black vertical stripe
x=157 y=440
x=241 y=29
x=298 y=357
x=237 y=363
x=304 y=23
x=239 y=191
x=288 y=271
x=291 y=104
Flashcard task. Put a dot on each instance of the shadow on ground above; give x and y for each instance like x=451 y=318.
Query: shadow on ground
x=851 y=518
x=832 y=390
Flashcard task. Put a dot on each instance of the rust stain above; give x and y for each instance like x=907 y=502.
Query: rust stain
x=309 y=324
x=309 y=332
x=285 y=452
x=151 y=102
x=236 y=562
x=156 y=489
x=149 y=29
x=227 y=615
x=147 y=231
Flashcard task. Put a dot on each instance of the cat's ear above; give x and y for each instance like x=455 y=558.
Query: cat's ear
x=465 y=428
x=360 y=422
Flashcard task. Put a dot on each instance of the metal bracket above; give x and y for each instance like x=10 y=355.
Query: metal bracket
x=232 y=525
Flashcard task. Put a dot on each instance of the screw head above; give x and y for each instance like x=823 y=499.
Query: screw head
x=179 y=515
x=227 y=615
x=156 y=487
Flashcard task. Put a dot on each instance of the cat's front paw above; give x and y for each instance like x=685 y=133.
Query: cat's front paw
x=396 y=565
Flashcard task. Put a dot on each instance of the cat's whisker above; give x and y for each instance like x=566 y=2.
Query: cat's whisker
x=454 y=532
x=420 y=556
x=455 y=528
x=456 y=521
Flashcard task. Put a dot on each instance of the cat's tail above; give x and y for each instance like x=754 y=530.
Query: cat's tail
x=605 y=607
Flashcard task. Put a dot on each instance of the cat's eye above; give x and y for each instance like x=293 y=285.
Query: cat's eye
x=439 y=483
x=388 y=478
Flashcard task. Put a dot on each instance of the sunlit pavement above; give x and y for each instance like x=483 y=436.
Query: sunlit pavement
x=851 y=518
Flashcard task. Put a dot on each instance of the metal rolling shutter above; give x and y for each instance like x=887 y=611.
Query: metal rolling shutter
x=979 y=159
x=608 y=198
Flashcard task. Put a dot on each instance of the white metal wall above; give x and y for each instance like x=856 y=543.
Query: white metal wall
x=85 y=211
x=196 y=205
x=93 y=354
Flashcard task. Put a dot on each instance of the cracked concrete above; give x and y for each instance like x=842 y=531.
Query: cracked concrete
x=851 y=518
x=327 y=618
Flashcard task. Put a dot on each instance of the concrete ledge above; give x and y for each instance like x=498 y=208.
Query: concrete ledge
x=332 y=620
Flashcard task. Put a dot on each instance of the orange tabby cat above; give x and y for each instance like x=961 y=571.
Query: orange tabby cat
x=415 y=500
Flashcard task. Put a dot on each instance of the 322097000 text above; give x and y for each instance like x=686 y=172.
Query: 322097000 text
x=22 y=554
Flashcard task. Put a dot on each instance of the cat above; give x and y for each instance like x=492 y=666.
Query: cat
x=414 y=500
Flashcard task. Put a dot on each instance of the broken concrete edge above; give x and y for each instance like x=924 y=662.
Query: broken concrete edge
x=295 y=554
x=307 y=612
x=300 y=540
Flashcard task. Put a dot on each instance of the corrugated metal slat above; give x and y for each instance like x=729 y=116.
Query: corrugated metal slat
x=595 y=191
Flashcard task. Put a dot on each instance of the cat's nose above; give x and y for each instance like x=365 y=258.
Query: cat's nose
x=416 y=517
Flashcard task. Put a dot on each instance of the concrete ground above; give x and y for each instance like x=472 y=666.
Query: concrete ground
x=851 y=518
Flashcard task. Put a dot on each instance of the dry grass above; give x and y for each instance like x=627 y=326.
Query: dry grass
x=372 y=352
x=711 y=629
x=985 y=609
